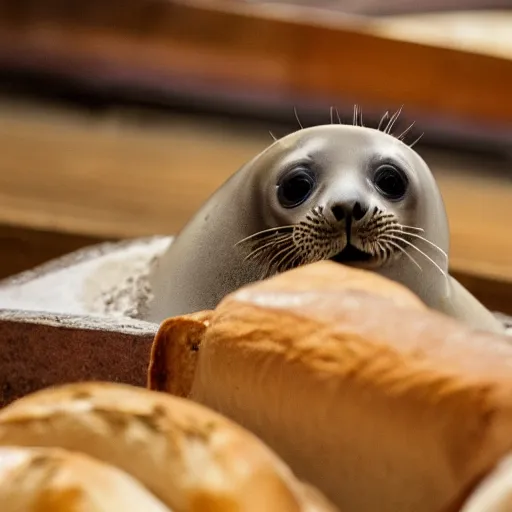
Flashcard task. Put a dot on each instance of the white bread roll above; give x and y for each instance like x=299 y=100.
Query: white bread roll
x=54 y=480
x=190 y=457
x=494 y=494
x=379 y=402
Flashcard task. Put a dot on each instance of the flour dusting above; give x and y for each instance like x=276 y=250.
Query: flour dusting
x=112 y=282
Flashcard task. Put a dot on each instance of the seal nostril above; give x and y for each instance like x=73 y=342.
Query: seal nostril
x=338 y=212
x=358 y=212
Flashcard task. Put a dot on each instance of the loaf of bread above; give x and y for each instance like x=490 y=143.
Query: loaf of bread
x=186 y=456
x=381 y=403
x=54 y=480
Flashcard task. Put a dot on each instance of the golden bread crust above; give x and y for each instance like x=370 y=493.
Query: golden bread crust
x=55 y=480
x=189 y=457
x=357 y=385
x=174 y=351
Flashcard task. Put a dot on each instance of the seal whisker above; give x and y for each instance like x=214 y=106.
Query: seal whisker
x=412 y=144
x=394 y=244
x=382 y=250
x=269 y=239
x=297 y=117
x=331 y=112
x=291 y=252
x=420 y=238
x=272 y=261
x=357 y=118
x=273 y=136
x=379 y=222
x=278 y=266
x=338 y=115
x=385 y=246
x=413 y=228
x=417 y=249
x=382 y=119
x=269 y=245
x=406 y=131
x=393 y=120
x=267 y=232
x=296 y=260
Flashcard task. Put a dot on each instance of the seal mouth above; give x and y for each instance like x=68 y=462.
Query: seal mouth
x=351 y=254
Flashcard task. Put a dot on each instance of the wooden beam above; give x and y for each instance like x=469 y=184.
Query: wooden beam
x=236 y=48
x=23 y=248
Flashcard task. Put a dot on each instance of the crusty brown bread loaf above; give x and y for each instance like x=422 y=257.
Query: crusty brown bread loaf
x=189 y=458
x=175 y=353
x=54 y=480
x=381 y=403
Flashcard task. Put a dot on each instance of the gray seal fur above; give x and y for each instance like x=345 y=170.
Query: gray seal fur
x=244 y=233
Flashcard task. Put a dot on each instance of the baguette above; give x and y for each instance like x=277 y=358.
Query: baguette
x=54 y=480
x=189 y=457
x=381 y=403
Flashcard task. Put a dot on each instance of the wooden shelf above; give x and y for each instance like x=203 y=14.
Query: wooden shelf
x=256 y=52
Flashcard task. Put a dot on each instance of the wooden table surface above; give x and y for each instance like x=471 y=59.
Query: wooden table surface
x=115 y=176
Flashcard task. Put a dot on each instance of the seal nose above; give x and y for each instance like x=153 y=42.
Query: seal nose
x=354 y=209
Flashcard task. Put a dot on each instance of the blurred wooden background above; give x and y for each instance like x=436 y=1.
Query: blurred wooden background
x=75 y=172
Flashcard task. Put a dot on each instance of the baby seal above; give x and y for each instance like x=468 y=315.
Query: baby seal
x=355 y=195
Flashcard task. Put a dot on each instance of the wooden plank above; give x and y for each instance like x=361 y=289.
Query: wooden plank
x=254 y=50
x=494 y=292
x=108 y=176
x=23 y=248
x=485 y=32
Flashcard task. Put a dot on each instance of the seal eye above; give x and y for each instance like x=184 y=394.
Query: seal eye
x=390 y=182
x=294 y=188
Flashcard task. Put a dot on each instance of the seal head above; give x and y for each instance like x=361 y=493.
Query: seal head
x=351 y=194
x=355 y=195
